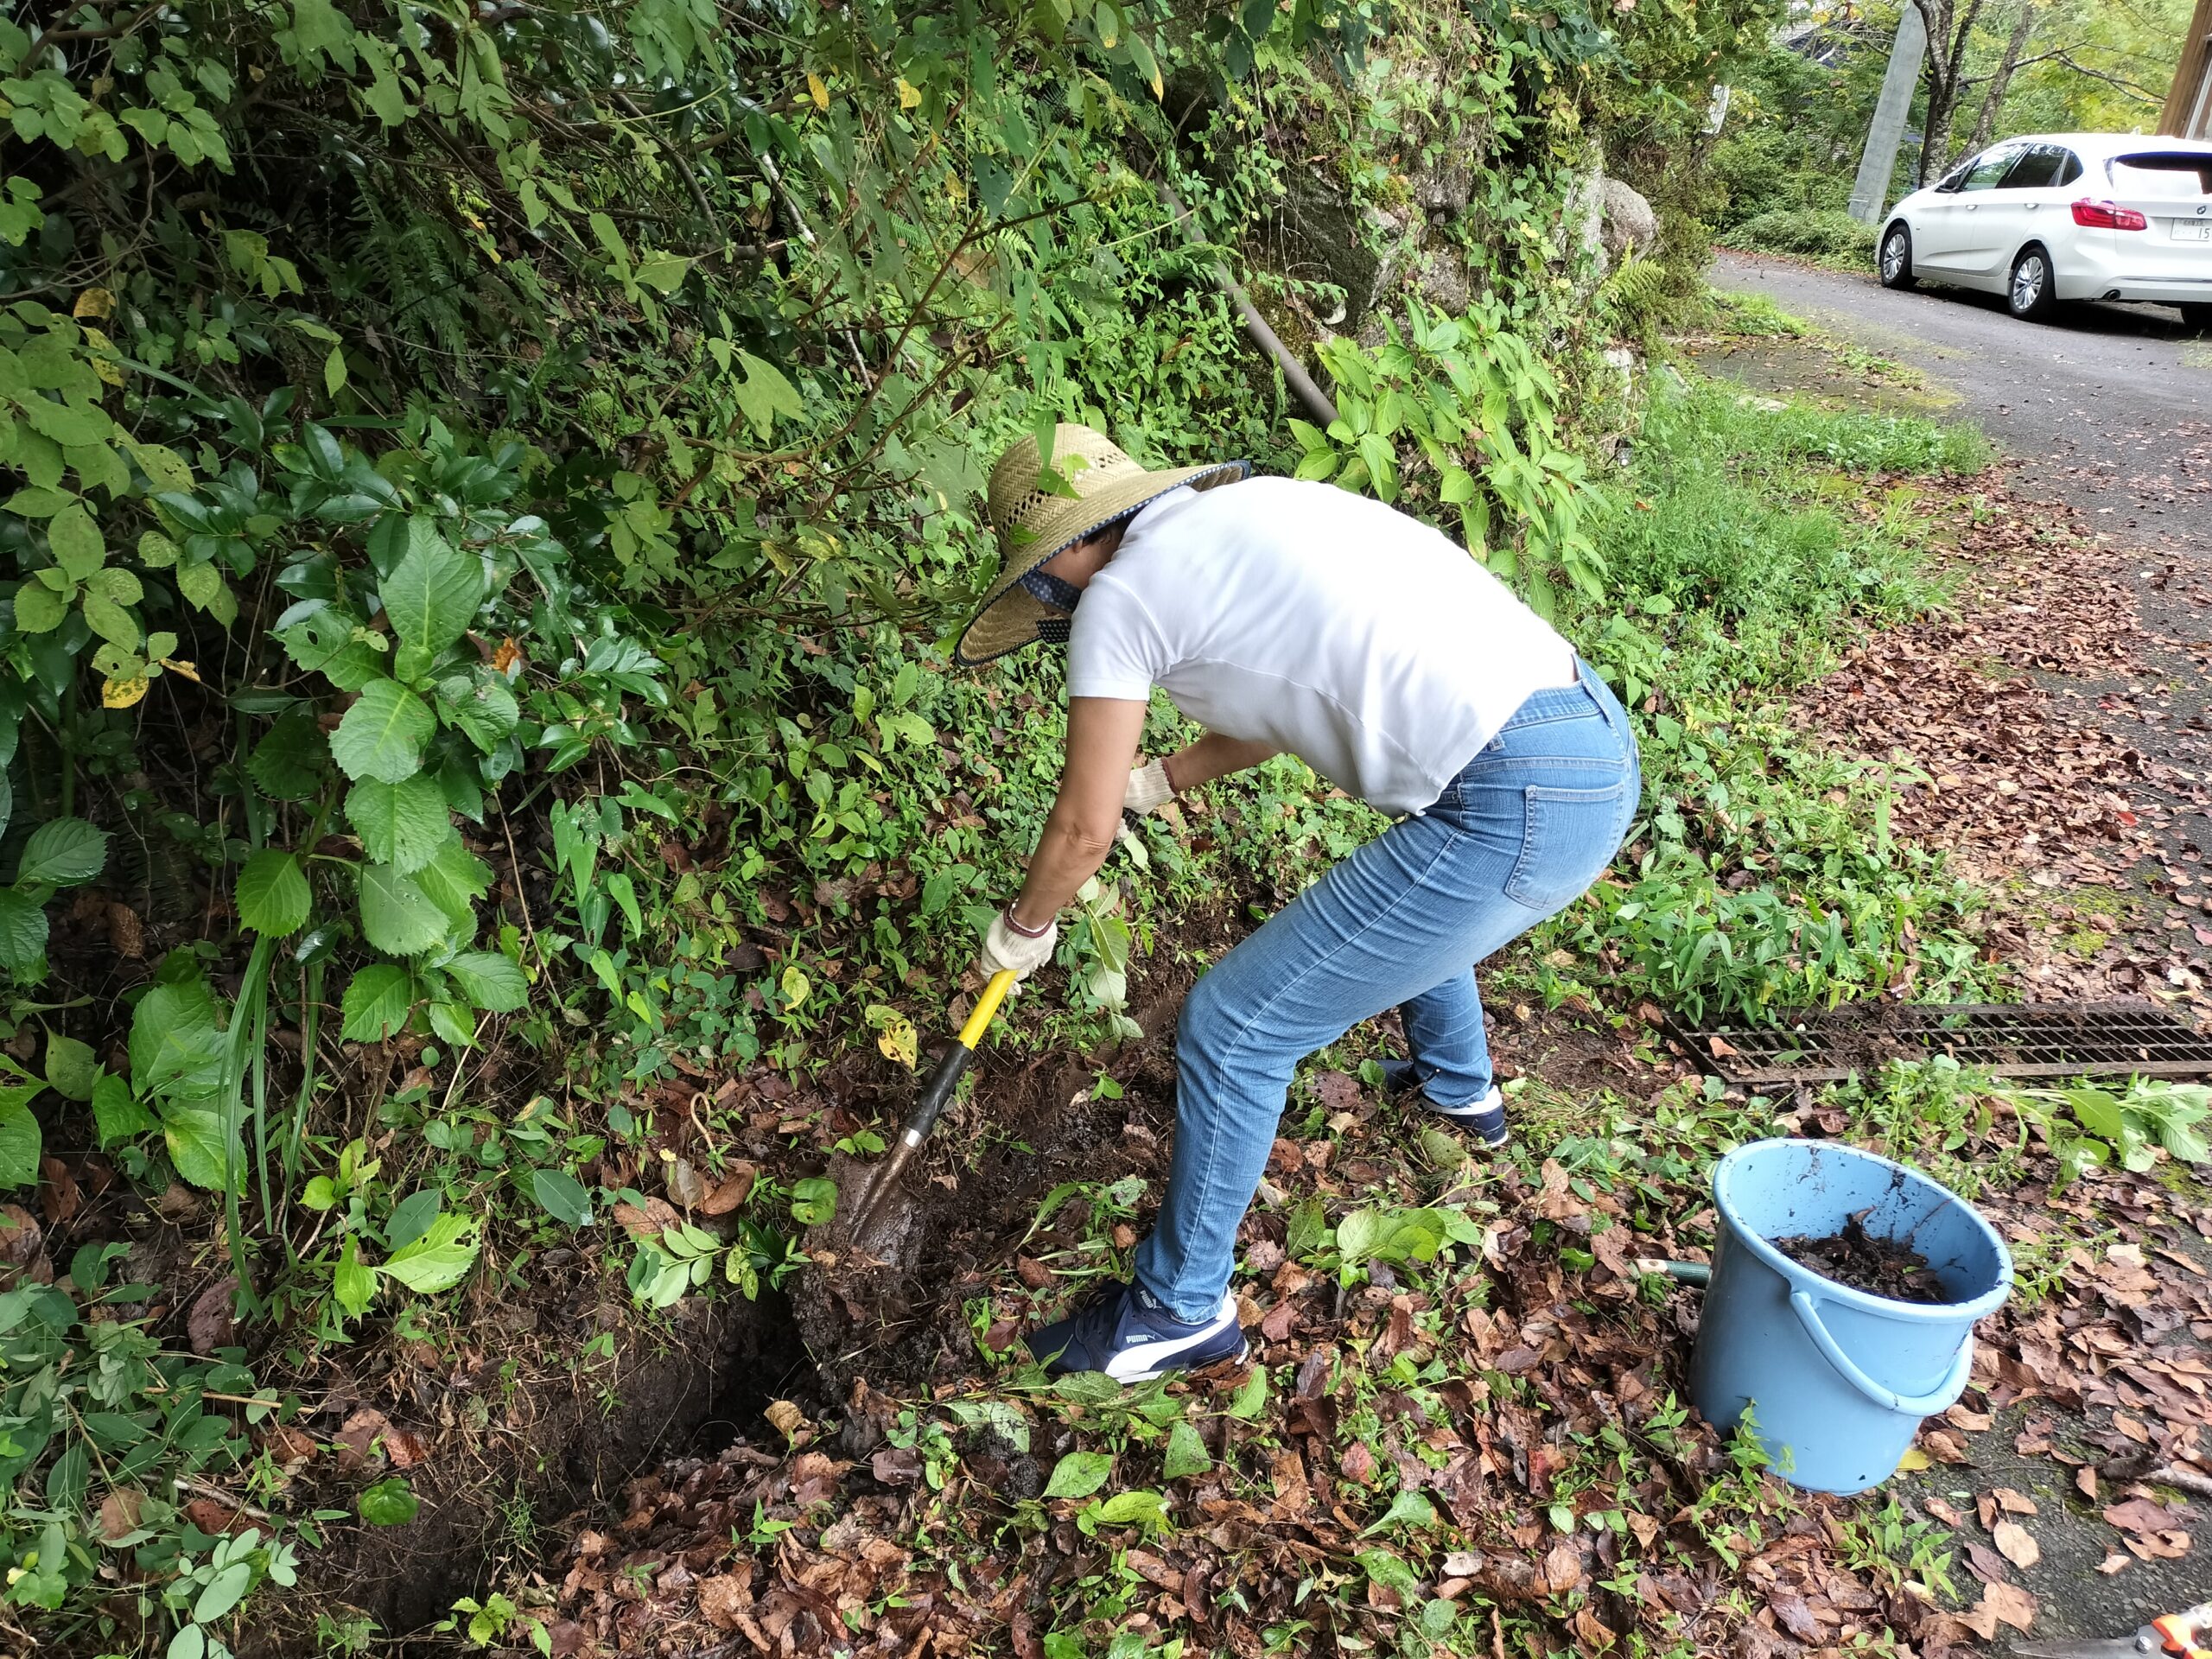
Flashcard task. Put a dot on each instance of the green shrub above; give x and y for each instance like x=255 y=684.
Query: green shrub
x=1823 y=235
x=1762 y=871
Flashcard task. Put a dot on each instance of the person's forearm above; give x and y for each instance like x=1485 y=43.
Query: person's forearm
x=1214 y=756
x=1068 y=855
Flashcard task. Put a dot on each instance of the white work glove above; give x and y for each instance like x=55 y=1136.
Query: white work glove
x=1148 y=788
x=1005 y=949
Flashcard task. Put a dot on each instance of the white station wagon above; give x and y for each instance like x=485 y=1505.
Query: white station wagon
x=2061 y=216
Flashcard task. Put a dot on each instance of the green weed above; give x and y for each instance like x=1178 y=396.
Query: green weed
x=1897 y=1549
x=1762 y=873
x=1822 y=235
x=1937 y=1115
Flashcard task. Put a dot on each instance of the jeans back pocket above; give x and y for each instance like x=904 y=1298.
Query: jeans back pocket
x=1567 y=838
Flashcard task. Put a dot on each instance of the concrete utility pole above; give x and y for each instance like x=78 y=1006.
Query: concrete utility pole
x=1870 y=194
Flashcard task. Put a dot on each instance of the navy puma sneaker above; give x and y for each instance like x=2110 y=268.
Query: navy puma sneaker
x=1127 y=1332
x=1482 y=1117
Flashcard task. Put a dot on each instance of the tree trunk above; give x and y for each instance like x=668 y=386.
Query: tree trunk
x=1993 y=100
x=1949 y=26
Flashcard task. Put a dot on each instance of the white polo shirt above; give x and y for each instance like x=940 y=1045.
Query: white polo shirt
x=1327 y=624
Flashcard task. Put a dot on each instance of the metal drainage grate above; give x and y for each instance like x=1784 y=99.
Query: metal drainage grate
x=2045 y=1039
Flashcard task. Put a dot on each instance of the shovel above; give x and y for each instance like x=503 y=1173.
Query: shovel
x=937 y=1091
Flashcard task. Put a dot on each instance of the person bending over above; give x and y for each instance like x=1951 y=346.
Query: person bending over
x=1292 y=616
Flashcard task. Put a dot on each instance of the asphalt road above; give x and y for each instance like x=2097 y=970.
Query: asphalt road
x=2109 y=408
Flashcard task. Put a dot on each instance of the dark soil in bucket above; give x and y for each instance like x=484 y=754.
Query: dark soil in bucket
x=1858 y=1260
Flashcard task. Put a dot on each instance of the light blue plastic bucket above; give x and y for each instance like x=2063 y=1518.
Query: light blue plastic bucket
x=1836 y=1380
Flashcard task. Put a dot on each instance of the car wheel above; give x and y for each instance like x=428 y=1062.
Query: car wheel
x=2032 y=293
x=2198 y=317
x=1895 y=260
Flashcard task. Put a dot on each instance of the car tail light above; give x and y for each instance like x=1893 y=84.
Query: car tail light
x=2108 y=216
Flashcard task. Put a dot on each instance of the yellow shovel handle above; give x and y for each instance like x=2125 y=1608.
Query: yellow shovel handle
x=987 y=1008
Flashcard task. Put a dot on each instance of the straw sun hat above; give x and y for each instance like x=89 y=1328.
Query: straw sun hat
x=1032 y=524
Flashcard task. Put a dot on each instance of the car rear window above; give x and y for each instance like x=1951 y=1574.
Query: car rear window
x=2166 y=175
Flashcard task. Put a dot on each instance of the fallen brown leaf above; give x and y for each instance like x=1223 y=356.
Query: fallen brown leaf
x=1597 y=1635
x=2168 y=1545
x=731 y=1191
x=2011 y=1605
x=1944 y=1448
x=1795 y=1615
x=685 y=1185
x=2139 y=1515
x=216 y=1518
x=119 y=1512
x=1984 y=1562
x=1562 y=1568
x=723 y=1598
x=358 y=1436
x=57 y=1192
x=210 y=1324
x=2017 y=1546
x=644 y=1225
x=289 y=1448
x=1033 y=1273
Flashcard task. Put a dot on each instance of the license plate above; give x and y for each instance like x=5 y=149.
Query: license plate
x=2192 y=230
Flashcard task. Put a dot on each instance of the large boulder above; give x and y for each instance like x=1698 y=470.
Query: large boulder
x=1624 y=219
x=1446 y=188
x=1445 y=282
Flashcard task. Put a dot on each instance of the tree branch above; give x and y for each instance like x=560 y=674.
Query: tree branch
x=2116 y=81
x=107 y=33
x=2040 y=57
x=698 y=195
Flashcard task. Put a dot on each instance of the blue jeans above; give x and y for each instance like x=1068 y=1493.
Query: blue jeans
x=1518 y=835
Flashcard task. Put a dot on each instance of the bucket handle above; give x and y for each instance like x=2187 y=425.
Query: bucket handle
x=1944 y=1396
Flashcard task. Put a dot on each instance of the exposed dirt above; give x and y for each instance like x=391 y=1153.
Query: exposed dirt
x=513 y=1443
x=1573 y=1049
x=891 y=1552
x=894 y=1309
x=669 y=1573
x=1857 y=1259
x=506 y=1450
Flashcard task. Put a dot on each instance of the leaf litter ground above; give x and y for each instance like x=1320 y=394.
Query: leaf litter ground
x=1484 y=1448
x=1492 y=1433
x=2059 y=748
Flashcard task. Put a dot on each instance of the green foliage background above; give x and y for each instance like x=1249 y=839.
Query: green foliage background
x=1801 y=101
x=486 y=489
